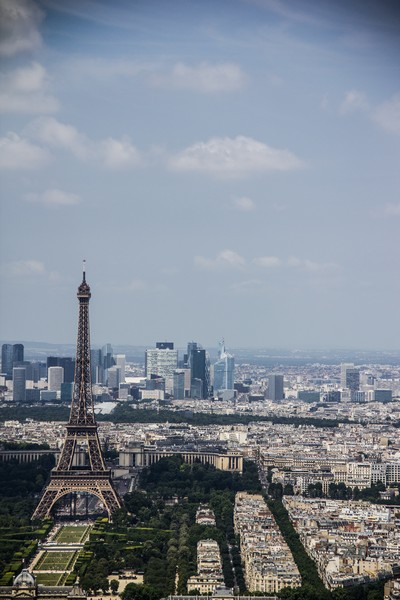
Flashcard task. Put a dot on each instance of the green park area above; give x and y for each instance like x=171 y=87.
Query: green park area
x=56 y=561
x=72 y=534
x=49 y=579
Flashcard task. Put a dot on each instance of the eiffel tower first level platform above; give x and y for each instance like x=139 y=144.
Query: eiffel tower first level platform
x=71 y=475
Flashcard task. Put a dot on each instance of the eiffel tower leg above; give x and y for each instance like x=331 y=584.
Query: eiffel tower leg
x=46 y=502
x=102 y=488
x=111 y=500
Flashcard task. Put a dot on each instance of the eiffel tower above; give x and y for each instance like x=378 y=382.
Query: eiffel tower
x=67 y=477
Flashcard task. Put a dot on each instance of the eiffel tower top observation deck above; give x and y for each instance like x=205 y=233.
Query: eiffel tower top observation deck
x=70 y=475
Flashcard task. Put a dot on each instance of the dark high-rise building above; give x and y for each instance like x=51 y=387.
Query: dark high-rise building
x=96 y=366
x=198 y=363
x=19 y=384
x=66 y=392
x=7 y=359
x=353 y=379
x=18 y=353
x=32 y=395
x=108 y=356
x=10 y=355
x=275 y=387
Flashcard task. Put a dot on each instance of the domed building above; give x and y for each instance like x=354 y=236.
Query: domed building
x=25 y=587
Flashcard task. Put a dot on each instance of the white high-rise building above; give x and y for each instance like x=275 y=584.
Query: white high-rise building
x=114 y=377
x=224 y=370
x=120 y=361
x=55 y=377
x=161 y=362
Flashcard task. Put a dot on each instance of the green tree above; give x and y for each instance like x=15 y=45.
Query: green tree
x=134 y=591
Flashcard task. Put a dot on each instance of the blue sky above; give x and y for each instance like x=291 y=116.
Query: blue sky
x=228 y=168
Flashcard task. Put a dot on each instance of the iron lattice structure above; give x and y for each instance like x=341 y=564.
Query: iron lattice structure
x=69 y=476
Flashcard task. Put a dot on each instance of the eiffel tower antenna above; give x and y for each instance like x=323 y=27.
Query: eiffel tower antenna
x=69 y=476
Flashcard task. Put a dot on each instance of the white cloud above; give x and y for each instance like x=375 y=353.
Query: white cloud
x=21 y=268
x=54 y=198
x=234 y=157
x=274 y=262
x=119 y=154
x=25 y=91
x=31 y=267
x=387 y=115
x=268 y=262
x=60 y=135
x=20 y=153
x=310 y=265
x=204 y=78
x=19 y=26
x=354 y=100
x=225 y=259
x=244 y=204
x=113 y=153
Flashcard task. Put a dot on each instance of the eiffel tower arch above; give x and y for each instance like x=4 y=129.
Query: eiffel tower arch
x=69 y=475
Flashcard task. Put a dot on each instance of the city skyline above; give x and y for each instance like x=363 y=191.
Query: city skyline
x=226 y=168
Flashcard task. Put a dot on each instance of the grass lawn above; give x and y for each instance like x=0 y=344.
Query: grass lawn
x=72 y=534
x=49 y=578
x=56 y=561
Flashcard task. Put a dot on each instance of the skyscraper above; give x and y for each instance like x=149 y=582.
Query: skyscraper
x=353 y=379
x=10 y=354
x=66 y=362
x=199 y=364
x=161 y=362
x=55 y=377
x=114 y=377
x=7 y=359
x=343 y=370
x=107 y=360
x=275 y=387
x=349 y=377
x=120 y=361
x=179 y=384
x=19 y=384
x=224 y=370
x=18 y=353
x=96 y=366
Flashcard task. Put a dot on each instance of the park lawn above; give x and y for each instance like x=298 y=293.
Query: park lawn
x=49 y=579
x=72 y=534
x=56 y=561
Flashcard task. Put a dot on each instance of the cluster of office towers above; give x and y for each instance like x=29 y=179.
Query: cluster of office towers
x=193 y=376
x=26 y=375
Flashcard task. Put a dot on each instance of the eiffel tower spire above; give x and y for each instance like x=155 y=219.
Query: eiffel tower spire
x=69 y=475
